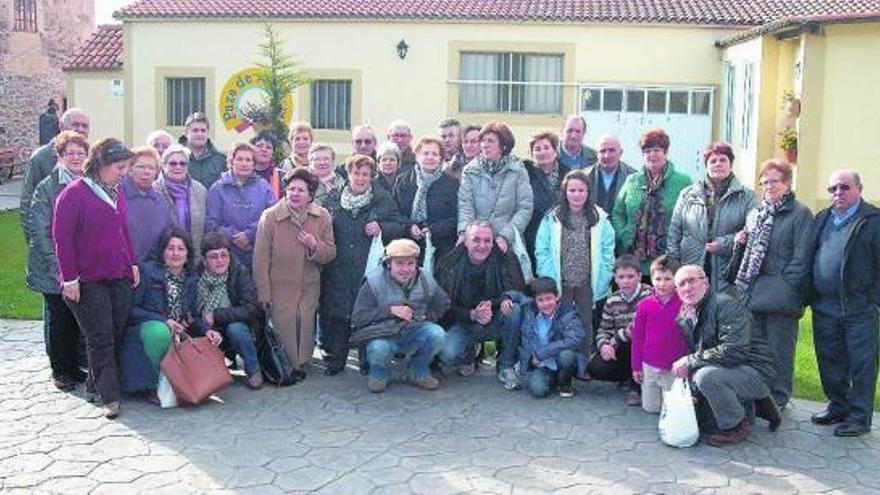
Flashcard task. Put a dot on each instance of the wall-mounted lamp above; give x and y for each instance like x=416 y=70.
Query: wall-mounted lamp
x=402 y=48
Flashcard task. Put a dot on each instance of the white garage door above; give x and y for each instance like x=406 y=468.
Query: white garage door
x=684 y=112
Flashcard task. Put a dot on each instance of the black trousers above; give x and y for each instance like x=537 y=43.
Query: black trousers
x=338 y=333
x=62 y=336
x=618 y=370
x=102 y=312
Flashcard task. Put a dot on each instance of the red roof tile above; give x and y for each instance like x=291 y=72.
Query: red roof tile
x=103 y=50
x=701 y=12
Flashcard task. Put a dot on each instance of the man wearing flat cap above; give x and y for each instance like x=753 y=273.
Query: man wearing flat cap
x=396 y=312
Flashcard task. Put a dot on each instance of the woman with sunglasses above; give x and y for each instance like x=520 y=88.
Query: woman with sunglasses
x=774 y=242
x=187 y=197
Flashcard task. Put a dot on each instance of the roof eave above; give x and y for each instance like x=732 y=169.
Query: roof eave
x=794 y=26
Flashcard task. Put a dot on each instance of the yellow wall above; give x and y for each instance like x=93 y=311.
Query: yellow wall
x=841 y=111
x=91 y=90
x=418 y=87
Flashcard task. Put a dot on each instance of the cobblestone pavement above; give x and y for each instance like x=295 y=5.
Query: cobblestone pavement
x=330 y=435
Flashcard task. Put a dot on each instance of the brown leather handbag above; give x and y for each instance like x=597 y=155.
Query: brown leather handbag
x=195 y=368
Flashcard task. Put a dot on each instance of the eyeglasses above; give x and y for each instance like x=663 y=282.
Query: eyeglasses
x=223 y=255
x=363 y=141
x=839 y=187
x=75 y=154
x=401 y=135
x=177 y=164
x=689 y=281
x=770 y=182
x=142 y=168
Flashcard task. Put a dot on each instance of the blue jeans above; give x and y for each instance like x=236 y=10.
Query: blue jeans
x=421 y=342
x=242 y=341
x=541 y=380
x=461 y=338
x=846 y=349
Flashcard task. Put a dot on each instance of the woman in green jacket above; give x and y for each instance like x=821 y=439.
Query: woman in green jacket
x=643 y=208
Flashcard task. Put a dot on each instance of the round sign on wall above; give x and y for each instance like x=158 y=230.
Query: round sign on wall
x=244 y=95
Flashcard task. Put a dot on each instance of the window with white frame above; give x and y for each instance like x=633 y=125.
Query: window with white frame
x=183 y=96
x=748 y=107
x=729 y=101
x=331 y=104
x=510 y=82
x=25 y=16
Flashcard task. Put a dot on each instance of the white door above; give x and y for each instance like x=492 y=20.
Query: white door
x=684 y=112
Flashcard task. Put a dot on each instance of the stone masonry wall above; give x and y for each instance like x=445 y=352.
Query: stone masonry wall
x=31 y=63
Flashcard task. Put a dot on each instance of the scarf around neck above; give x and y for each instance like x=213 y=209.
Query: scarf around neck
x=211 y=292
x=174 y=286
x=354 y=202
x=495 y=166
x=105 y=192
x=424 y=181
x=759 y=241
x=179 y=192
x=650 y=235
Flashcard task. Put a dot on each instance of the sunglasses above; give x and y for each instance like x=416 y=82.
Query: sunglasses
x=177 y=164
x=839 y=187
x=363 y=141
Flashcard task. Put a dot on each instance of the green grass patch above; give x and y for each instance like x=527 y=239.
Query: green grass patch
x=16 y=300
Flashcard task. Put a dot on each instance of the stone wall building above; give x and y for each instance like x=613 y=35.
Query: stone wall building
x=36 y=38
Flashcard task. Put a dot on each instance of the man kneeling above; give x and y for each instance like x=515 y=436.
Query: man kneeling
x=551 y=336
x=730 y=362
x=395 y=312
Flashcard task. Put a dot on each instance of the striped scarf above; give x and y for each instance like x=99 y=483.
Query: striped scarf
x=758 y=242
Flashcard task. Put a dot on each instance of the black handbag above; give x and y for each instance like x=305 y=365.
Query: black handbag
x=386 y=329
x=274 y=363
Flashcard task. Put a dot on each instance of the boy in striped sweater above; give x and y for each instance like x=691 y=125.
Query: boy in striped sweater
x=613 y=339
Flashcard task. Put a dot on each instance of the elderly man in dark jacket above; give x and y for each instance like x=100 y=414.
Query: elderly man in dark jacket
x=608 y=175
x=843 y=263
x=396 y=310
x=729 y=361
x=482 y=283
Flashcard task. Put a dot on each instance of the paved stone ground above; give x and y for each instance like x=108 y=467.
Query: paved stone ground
x=10 y=194
x=330 y=435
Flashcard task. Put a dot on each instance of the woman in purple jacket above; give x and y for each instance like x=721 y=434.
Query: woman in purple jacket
x=96 y=264
x=236 y=201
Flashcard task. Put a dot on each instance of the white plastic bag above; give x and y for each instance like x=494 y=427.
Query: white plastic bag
x=678 y=419
x=374 y=259
x=428 y=260
x=167 y=399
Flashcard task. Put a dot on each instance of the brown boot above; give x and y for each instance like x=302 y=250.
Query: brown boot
x=427 y=382
x=730 y=437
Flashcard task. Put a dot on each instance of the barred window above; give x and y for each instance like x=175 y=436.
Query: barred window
x=183 y=96
x=511 y=82
x=26 y=16
x=331 y=104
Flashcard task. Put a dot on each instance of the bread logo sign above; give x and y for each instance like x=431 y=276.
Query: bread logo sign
x=244 y=101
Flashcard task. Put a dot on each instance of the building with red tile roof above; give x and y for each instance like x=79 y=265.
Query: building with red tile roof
x=701 y=69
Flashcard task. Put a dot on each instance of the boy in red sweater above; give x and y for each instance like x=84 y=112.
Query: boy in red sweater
x=656 y=339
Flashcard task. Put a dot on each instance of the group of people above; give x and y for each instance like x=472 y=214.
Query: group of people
x=575 y=264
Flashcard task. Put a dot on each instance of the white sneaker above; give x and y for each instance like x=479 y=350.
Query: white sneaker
x=508 y=378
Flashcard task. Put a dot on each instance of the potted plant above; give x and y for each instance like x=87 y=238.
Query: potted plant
x=788 y=143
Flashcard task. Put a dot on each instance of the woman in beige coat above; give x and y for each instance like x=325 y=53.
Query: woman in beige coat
x=294 y=238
